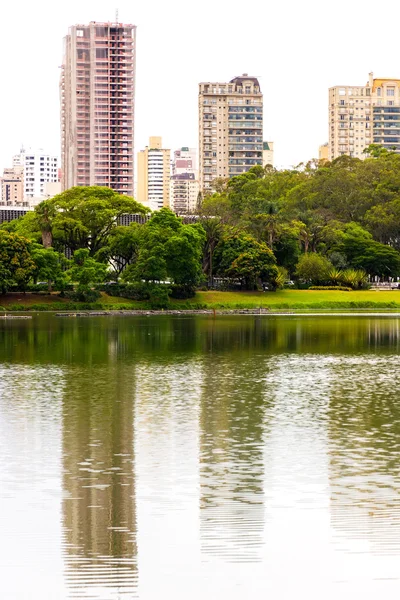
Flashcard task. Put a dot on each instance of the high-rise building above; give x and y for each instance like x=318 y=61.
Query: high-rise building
x=12 y=187
x=362 y=115
x=153 y=170
x=40 y=169
x=97 y=90
x=230 y=128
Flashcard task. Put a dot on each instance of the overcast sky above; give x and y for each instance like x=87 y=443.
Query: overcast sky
x=297 y=49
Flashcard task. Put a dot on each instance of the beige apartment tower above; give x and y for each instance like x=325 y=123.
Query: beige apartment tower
x=97 y=90
x=153 y=172
x=230 y=128
x=364 y=115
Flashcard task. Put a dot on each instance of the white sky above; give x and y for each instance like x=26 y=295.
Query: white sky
x=297 y=49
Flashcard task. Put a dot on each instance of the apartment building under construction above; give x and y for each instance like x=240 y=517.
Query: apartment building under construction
x=97 y=90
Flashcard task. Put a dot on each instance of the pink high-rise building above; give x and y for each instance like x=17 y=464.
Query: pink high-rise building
x=97 y=90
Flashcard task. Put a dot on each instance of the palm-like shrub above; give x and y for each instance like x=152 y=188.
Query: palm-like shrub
x=349 y=278
x=335 y=276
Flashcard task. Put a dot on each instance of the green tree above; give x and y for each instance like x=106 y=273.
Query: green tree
x=313 y=268
x=86 y=216
x=240 y=256
x=86 y=271
x=48 y=266
x=122 y=247
x=16 y=263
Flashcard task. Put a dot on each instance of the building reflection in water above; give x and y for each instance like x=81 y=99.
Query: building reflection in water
x=232 y=423
x=167 y=466
x=364 y=452
x=99 y=514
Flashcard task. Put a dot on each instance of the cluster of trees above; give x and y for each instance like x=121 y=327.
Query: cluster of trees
x=346 y=211
x=324 y=223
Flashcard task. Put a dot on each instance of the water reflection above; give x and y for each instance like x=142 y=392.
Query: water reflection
x=194 y=457
x=99 y=509
x=364 y=454
x=233 y=407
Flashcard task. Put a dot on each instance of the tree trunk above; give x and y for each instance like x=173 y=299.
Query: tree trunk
x=47 y=239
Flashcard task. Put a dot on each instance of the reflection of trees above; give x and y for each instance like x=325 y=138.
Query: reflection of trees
x=364 y=434
x=48 y=339
x=232 y=415
x=98 y=478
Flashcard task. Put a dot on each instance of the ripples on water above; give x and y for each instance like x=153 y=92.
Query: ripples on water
x=185 y=458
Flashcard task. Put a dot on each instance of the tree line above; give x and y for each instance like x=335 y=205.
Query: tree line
x=321 y=223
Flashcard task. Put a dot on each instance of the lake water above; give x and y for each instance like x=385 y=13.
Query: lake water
x=193 y=458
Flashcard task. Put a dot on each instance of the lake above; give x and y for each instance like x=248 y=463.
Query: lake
x=196 y=457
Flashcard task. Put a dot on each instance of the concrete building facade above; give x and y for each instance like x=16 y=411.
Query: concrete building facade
x=230 y=128
x=364 y=115
x=184 y=161
x=323 y=152
x=97 y=94
x=12 y=187
x=40 y=169
x=268 y=153
x=153 y=172
x=184 y=193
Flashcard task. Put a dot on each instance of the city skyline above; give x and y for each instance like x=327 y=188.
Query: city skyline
x=290 y=62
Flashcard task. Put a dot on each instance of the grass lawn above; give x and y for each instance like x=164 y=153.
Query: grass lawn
x=300 y=299
x=281 y=300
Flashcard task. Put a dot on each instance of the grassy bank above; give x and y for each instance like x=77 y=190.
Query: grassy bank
x=282 y=300
x=300 y=299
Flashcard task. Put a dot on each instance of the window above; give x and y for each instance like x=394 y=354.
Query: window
x=390 y=92
x=79 y=33
x=101 y=52
x=379 y=92
x=342 y=103
x=342 y=92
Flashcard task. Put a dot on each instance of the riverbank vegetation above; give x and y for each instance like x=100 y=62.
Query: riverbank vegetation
x=322 y=224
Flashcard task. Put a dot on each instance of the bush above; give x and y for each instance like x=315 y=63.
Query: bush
x=339 y=288
x=182 y=291
x=83 y=295
x=159 y=297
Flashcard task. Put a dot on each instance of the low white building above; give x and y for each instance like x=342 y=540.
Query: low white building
x=40 y=169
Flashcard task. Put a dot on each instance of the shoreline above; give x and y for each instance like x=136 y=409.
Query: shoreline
x=227 y=312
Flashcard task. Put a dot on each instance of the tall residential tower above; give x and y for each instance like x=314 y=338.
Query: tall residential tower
x=230 y=128
x=362 y=115
x=97 y=90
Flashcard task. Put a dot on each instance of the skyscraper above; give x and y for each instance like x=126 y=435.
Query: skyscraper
x=154 y=175
x=97 y=90
x=230 y=128
x=362 y=115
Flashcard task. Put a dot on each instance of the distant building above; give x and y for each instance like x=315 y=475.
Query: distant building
x=184 y=193
x=153 y=172
x=97 y=90
x=185 y=161
x=40 y=169
x=9 y=213
x=268 y=153
x=364 y=115
x=230 y=128
x=12 y=187
x=184 y=186
x=323 y=152
x=50 y=190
